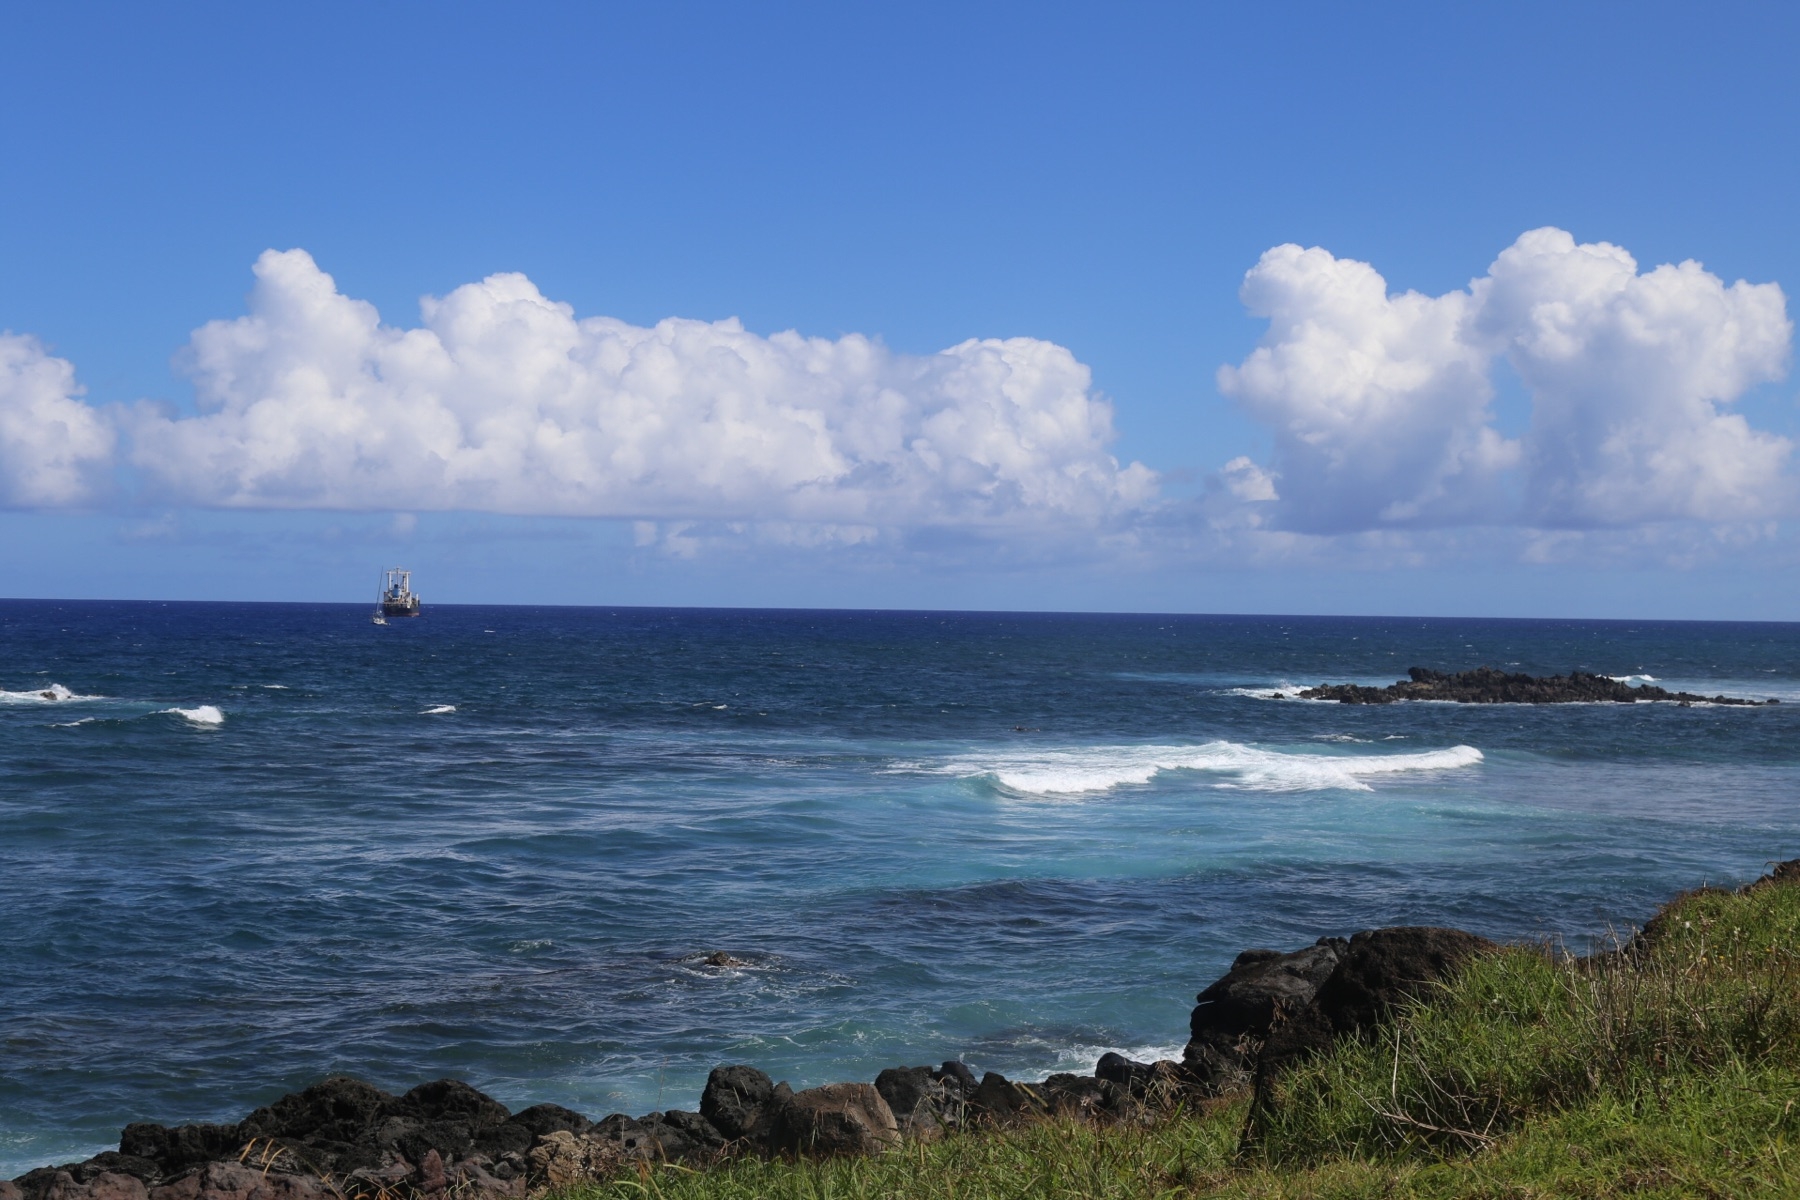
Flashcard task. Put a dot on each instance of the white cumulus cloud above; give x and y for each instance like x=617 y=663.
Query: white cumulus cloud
x=1627 y=374
x=1380 y=403
x=505 y=401
x=54 y=448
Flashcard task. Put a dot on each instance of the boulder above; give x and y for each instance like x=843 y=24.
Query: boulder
x=633 y=1140
x=1233 y=1016
x=997 y=1100
x=148 y=1170
x=562 y=1159
x=1271 y=1009
x=956 y=1074
x=1083 y=1096
x=540 y=1119
x=235 y=1181
x=684 y=1136
x=1156 y=1083
x=338 y=1109
x=176 y=1149
x=1383 y=968
x=476 y=1177
x=923 y=1106
x=839 y=1118
x=1380 y=970
x=64 y=1183
x=734 y=1099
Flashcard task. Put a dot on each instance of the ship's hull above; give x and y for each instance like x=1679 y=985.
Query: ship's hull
x=399 y=608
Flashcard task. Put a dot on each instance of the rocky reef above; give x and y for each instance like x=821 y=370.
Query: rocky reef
x=1485 y=685
x=344 y=1139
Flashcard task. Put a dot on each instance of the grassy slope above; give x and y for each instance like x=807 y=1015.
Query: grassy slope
x=1671 y=1072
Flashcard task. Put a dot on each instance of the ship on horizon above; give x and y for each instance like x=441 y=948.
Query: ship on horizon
x=396 y=598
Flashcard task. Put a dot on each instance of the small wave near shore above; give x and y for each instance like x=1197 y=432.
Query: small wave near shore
x=1095 y=769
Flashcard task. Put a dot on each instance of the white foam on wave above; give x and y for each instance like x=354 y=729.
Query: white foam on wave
x=1276 y=691
x=438 y=710
x=202 y=714
x=1632 y=678
x=55 y=693
x=1080 y=1059
x=1230 y=764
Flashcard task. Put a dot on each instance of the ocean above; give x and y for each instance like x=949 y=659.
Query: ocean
x=245 y=846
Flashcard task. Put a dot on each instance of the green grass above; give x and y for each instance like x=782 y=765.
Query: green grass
x=1670 y=1070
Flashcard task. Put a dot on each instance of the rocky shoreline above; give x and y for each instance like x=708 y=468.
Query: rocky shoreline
x=344 y=1139
x=1485 y=685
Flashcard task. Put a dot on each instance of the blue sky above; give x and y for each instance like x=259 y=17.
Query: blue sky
x=1073 y=196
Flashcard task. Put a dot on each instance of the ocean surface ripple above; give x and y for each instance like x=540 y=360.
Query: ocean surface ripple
x=245 y=846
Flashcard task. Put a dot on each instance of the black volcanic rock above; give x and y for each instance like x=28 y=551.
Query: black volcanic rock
x=1271 y=1009
x=540 y=1119
x=922 y=1105
x=1485 y=685
x=734 y=1098
x=1377 y=971
x=176 y=1149
x=1233 y=1016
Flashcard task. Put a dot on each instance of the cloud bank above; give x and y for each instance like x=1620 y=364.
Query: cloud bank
x=503 y=401
x=1381 y=404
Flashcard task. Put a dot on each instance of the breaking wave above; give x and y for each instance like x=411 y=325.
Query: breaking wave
x=204 y=714
x=1229 y=764
x=437 y=710
x=52 y=694
x=1632 y=678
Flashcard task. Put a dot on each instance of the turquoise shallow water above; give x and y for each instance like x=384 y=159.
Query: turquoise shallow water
x=249 y=845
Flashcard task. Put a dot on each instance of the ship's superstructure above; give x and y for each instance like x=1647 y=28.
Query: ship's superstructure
x=397 y=598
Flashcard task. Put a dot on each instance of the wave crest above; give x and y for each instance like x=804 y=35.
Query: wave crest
x=203 y=714
x=54 y=694
x=1248 y=768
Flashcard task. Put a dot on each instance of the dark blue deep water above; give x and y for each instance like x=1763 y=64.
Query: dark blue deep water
x=245 y=846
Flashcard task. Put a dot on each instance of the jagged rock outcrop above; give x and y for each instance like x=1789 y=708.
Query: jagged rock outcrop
x=1485 y=685
x=1272 y=1009
x=1233 y=1016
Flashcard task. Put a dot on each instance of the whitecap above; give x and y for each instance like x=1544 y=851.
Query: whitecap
x=437 y=710
x=1278 y=691
x=1229 y=764
x=202 y=714
x=1081 y=1059
x=1632 y=678
x=53 y=694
